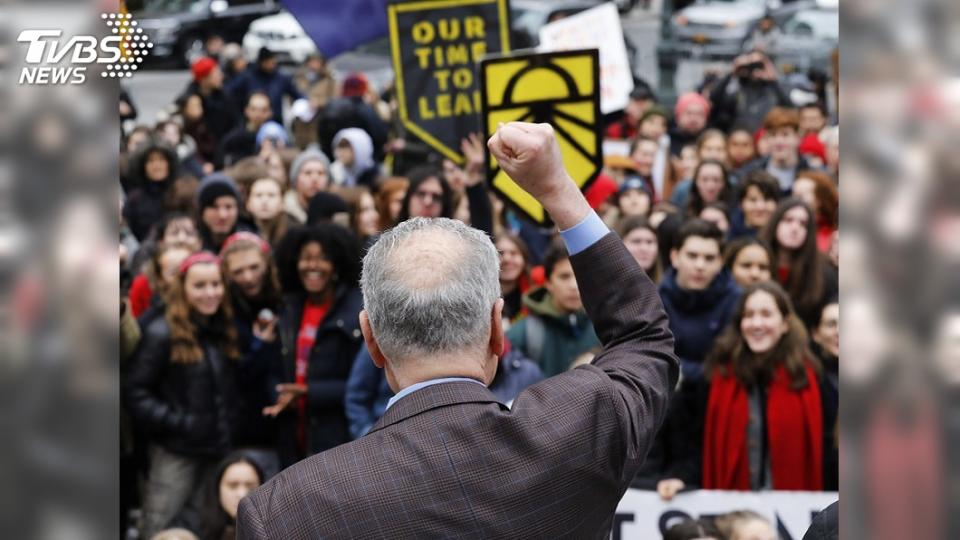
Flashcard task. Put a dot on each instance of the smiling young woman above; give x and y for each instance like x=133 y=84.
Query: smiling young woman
x=319 y=333
x=764 y=418
x=182 y=387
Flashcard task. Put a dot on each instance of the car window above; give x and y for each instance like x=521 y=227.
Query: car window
x=820 y=24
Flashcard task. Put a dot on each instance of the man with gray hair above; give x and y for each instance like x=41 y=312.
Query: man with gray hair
x=448 y=460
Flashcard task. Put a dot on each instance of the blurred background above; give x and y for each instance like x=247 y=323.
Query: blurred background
x=59 y=216
x=898 y=97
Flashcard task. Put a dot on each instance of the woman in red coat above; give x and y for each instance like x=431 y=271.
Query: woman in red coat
x=764 y=427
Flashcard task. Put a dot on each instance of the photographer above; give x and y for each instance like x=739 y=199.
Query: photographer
x=745 y=95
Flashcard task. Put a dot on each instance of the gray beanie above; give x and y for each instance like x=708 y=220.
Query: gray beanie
x=310 y=154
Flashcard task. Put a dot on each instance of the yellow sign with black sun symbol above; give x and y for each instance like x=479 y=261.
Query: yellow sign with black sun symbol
x=559 y=88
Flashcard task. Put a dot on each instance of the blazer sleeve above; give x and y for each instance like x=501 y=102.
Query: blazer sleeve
x=249 y=523
x=632 y=326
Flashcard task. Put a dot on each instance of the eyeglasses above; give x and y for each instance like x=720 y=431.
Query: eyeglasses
x=428 y=196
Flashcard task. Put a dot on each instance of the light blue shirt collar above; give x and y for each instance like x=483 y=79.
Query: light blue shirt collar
x=414 y=387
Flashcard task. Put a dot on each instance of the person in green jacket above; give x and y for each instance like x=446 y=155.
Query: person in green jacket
x=557 y=329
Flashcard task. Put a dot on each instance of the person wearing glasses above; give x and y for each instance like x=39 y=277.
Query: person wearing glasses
x=431 y=195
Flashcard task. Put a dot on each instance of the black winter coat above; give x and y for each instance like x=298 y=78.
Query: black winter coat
x=220 y=112
x=145 y=202
x=190 y=409
x=256 y=429
x=338 y=341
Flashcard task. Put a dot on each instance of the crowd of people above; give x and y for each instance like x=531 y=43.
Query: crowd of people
x=247 y=208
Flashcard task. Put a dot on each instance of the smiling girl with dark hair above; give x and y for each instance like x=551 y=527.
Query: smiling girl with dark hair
x=764 y=416
x=320 y=333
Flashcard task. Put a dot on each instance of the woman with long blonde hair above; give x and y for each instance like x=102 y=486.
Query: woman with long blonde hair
x=181 y=388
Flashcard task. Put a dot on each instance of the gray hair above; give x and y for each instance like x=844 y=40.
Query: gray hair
x=429 y=286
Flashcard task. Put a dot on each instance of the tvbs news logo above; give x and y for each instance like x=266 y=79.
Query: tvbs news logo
x=119 y=54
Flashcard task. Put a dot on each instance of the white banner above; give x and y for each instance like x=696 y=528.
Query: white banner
x=642 y=514
x=598 y=28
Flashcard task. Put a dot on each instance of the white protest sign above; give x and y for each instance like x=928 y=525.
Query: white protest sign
x=642 y=514
x=597 y=28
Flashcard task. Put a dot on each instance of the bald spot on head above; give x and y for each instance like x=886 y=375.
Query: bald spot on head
x=427 y=260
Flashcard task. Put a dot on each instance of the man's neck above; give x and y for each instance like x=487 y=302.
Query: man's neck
x=428 y=369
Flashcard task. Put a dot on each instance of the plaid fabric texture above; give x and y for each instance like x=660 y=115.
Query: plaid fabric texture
x=449 y=461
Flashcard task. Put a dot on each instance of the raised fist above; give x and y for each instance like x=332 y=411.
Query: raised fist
x=530 y=155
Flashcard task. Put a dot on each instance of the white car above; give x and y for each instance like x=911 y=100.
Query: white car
x=282 y=34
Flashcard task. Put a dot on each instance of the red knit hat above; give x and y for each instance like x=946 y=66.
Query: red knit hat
x=355 y=85
x=202 y=67
x=688 y=99
x=811 y=145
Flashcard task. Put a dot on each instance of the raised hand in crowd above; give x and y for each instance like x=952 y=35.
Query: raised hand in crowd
x=472 y=148
x=265 y=327
x=289 y=392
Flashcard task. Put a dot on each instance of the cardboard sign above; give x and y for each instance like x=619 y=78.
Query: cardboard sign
x=599 y=28
x=436 y=46
x=561 y=89
x=642 y=514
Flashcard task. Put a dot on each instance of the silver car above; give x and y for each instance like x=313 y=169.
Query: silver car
x=720 y=29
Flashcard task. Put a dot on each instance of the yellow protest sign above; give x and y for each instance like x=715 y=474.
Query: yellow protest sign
x=559 y=88
x=436 y=46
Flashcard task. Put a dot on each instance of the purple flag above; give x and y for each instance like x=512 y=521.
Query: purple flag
x=340 y=25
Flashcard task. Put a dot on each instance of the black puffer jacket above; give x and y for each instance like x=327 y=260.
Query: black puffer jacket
x=190 y=409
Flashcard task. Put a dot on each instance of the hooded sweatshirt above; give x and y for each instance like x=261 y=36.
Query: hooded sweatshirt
x=145 y=204
x=697 y=317
x=363 y=169
x=565 y=336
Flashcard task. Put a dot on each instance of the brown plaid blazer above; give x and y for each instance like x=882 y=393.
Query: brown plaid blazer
x=449 y=461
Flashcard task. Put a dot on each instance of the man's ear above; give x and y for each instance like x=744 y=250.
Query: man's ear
x=674 y=255
x=372 y=346
x=497 y=337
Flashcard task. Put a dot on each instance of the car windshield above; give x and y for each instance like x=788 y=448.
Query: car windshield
x=165 y=6
x=817 y=23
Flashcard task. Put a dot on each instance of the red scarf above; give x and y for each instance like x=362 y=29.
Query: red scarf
x=794 y=431
x=313 y=315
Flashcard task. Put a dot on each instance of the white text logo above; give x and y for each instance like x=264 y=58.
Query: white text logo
x=119 y=54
